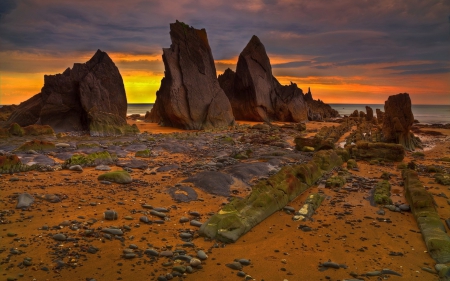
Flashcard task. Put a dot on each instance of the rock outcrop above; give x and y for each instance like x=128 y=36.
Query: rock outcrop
x=380 y=116
x=397 y=121
x=89 y=97
x=369 y=113
x=255 y=94
x=190 y=96
x=318 y=110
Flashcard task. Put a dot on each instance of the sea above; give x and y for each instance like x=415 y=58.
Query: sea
x=426 y=114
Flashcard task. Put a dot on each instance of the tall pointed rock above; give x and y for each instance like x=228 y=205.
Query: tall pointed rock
x=190 y=96
x=255 y=94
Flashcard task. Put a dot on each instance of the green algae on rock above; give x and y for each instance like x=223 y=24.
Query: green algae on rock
x=268 y=196
x=143 y=153
x=90 y=160
x=38 y=130
x=351 y=164
x=37 y=145
x=12 y=164
x=382 y=193
x=443 y=179
x=122 y=177
x=428 y=220
x=377 y=151
x=312 y=203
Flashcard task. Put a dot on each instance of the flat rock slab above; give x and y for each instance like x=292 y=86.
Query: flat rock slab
x=136 y=147
x=64 y=155
x=39 y=159
x=133 y=164
x=182 y=193
x=174 y=147
x=24 y=200
x=167 y=168
x=247 y=171
x=212 y=182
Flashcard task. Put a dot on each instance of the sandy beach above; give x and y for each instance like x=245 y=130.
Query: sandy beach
x=346 y=229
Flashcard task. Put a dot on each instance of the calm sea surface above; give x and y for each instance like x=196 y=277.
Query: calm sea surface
x=430 y=114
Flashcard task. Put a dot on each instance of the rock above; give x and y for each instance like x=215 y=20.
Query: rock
x=190 y=96
x=255 y=94
x=311 y=204
x=89 y=97
x=429 y=222
x=182 y=193
x=110 y=215
x=122 y=177
x=267 y=197
x=318 y=110
x=212 y=182
x=60 y=237
x=379 y=151
x=24 y=201
x=397 y=121
x=369 y=114
x=380 y=116
x=77 y=168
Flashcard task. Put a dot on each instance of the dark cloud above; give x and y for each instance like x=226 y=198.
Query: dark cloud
x=291 y=64
x=335 y=33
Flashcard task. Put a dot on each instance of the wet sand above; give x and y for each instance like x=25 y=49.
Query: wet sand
x=346 y=229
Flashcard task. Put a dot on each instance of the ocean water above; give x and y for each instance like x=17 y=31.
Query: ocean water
x=139 y=108
x=427 y=114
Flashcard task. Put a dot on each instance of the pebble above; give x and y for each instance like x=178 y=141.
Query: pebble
x=60 y=237
x=110 y=215
x=234 y=265
x=151 y=252
x=113 y=231
x=76 y=168
x=196 y=223
x=185 y=235
x=244 y=261
x=62 y=145
x=183 y=220
x=195 y=262
x=404 y=207
x=202 y=255
x=157 y=214
x=103 y=168
x=145 y=219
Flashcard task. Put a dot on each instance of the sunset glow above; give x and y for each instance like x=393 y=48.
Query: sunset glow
x=378 y=49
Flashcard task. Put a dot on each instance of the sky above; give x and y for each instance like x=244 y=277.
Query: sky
x=346 y=51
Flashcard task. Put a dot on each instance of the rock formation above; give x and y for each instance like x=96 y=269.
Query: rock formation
x=369 y=113
x=380 y=116
x=397 y=121
x=318 y=110
x=190 y=96
x=255 y=94
x=89 y=97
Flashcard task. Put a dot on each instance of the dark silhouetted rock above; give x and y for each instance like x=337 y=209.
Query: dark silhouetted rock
x=355 y=113
x=190 y=96
x=380 y=116
x=397 y=121
x=369 y=113
x=6 y=111
x=255 y=94
x=89 y=97
x=318 y=110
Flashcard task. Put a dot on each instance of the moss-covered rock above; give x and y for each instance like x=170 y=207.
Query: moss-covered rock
x=38 y=130
x=16 y=130
x=379 y=151
x=143 y=153
x=90 y=160
x=335 y=181
x=312 y=203
x=12 y=164
x=433 y=169
x=424 y=210
x=106 y=124
x=37 y=145
x=402 y=166
x=351 y=164
x=442 y=178
x=445 y=159
x=382 y=193
x=122 y=177
x=267 y=197
x=308 y=149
